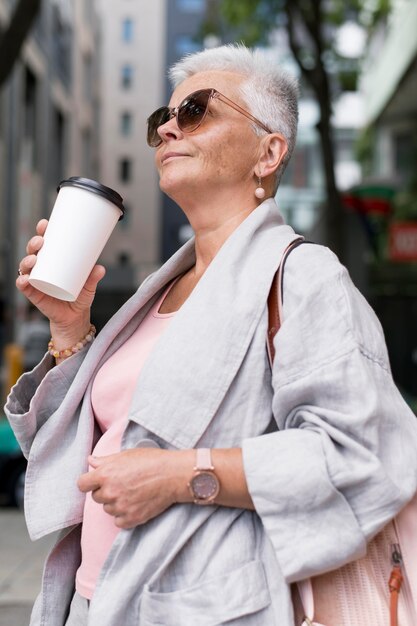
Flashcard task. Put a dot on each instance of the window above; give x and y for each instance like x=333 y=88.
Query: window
x=124 y=258
x=62 y=42
x=404 y=149
x=2 y=116
x=40 y=29
x=127 y=76
x=87 y=153
x=127 y=30
x=125 y=170
x=88 y=11
x=185 y=44
x=126 y=123
x=30 y=115
x=191 y=6
x=57 y=156
x=125 y=222
x=88 y=78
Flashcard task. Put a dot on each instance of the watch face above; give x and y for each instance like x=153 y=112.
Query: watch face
x=204 y=486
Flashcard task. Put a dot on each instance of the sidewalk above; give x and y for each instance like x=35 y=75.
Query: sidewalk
x=21 y=564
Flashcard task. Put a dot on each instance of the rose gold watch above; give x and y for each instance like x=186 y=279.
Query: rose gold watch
x=204 y=486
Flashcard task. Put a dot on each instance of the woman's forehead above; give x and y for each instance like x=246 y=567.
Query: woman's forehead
x=226 y=82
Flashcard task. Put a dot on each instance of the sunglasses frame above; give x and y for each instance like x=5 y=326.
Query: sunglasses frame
x=212 y=95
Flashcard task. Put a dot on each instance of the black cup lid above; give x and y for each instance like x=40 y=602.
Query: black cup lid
x=95 y=187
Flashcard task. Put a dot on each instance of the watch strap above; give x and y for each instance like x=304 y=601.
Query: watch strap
x=203 y=459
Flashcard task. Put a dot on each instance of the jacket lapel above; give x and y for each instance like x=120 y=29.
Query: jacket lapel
x=192 y=366
x=118 y=328
x=127 y=319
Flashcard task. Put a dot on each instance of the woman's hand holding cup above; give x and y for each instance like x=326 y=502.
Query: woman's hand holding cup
x=70 y=321
x=59 y=274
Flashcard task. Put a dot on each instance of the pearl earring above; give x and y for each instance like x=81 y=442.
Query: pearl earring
x=260 y=191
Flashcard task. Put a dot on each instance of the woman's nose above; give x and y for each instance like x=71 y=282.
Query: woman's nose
x=169 y=130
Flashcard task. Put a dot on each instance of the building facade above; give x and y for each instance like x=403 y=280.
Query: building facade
x=136 y=48
x=48 y=128
x=389 y=84
x=132 y=86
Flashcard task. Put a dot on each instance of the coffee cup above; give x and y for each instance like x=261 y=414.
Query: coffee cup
x=81 y=222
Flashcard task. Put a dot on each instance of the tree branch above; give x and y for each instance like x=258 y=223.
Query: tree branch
x=316 y=76
x=12 y=39
x=312 y=18
x=296 y=49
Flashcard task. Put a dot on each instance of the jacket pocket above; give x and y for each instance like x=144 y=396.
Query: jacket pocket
x=213 y=602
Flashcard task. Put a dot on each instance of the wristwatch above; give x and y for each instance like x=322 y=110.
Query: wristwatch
x=204 y=485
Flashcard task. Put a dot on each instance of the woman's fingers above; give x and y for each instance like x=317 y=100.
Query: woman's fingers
x=97 y=273
x=27 y=264
x=41 y=227
x=88 y=291
x=34 y=244
x=62 y=314
x=110 y=509
x=32 y=248
x=22 y=282
x=35 y=296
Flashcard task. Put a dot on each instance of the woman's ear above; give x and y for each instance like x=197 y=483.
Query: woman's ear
x=274 y=147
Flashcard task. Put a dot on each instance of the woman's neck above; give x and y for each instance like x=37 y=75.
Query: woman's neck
x=210 y=235
x=213 y=219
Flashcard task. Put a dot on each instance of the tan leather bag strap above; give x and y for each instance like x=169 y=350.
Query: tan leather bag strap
x=275 y=299
x=395 y=582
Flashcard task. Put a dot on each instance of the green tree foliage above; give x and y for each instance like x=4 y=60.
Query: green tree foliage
x=311 y=26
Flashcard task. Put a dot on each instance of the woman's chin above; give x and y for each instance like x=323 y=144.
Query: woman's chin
x=173 y=186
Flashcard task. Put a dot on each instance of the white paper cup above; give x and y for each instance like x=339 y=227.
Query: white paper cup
x=82 y=220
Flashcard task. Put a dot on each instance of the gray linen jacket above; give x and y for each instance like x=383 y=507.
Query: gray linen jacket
x=329 y=446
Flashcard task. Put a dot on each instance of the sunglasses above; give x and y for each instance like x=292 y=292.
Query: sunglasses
x=191 y=113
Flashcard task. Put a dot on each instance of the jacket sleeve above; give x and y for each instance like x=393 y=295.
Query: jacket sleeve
x=37 y=395
x=343 y=461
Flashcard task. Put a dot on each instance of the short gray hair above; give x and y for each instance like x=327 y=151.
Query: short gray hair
x=270 y=93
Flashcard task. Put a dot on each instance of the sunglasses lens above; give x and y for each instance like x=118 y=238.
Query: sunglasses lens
x=191 y=113
x=193 y=110
x=159 y=117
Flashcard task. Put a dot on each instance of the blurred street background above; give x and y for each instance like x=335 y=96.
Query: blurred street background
x=78 y=79
x=21 y=566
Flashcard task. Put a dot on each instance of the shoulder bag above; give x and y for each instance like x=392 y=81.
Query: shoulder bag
x=379 y=589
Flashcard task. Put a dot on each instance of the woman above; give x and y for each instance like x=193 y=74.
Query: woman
x=306 y=464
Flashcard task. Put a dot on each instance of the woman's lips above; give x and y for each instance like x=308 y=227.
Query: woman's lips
x=172 y=155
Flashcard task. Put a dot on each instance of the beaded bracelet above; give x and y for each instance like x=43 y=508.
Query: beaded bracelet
x=64 y=354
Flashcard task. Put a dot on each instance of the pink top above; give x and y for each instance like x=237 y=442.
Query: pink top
x=119 y=373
